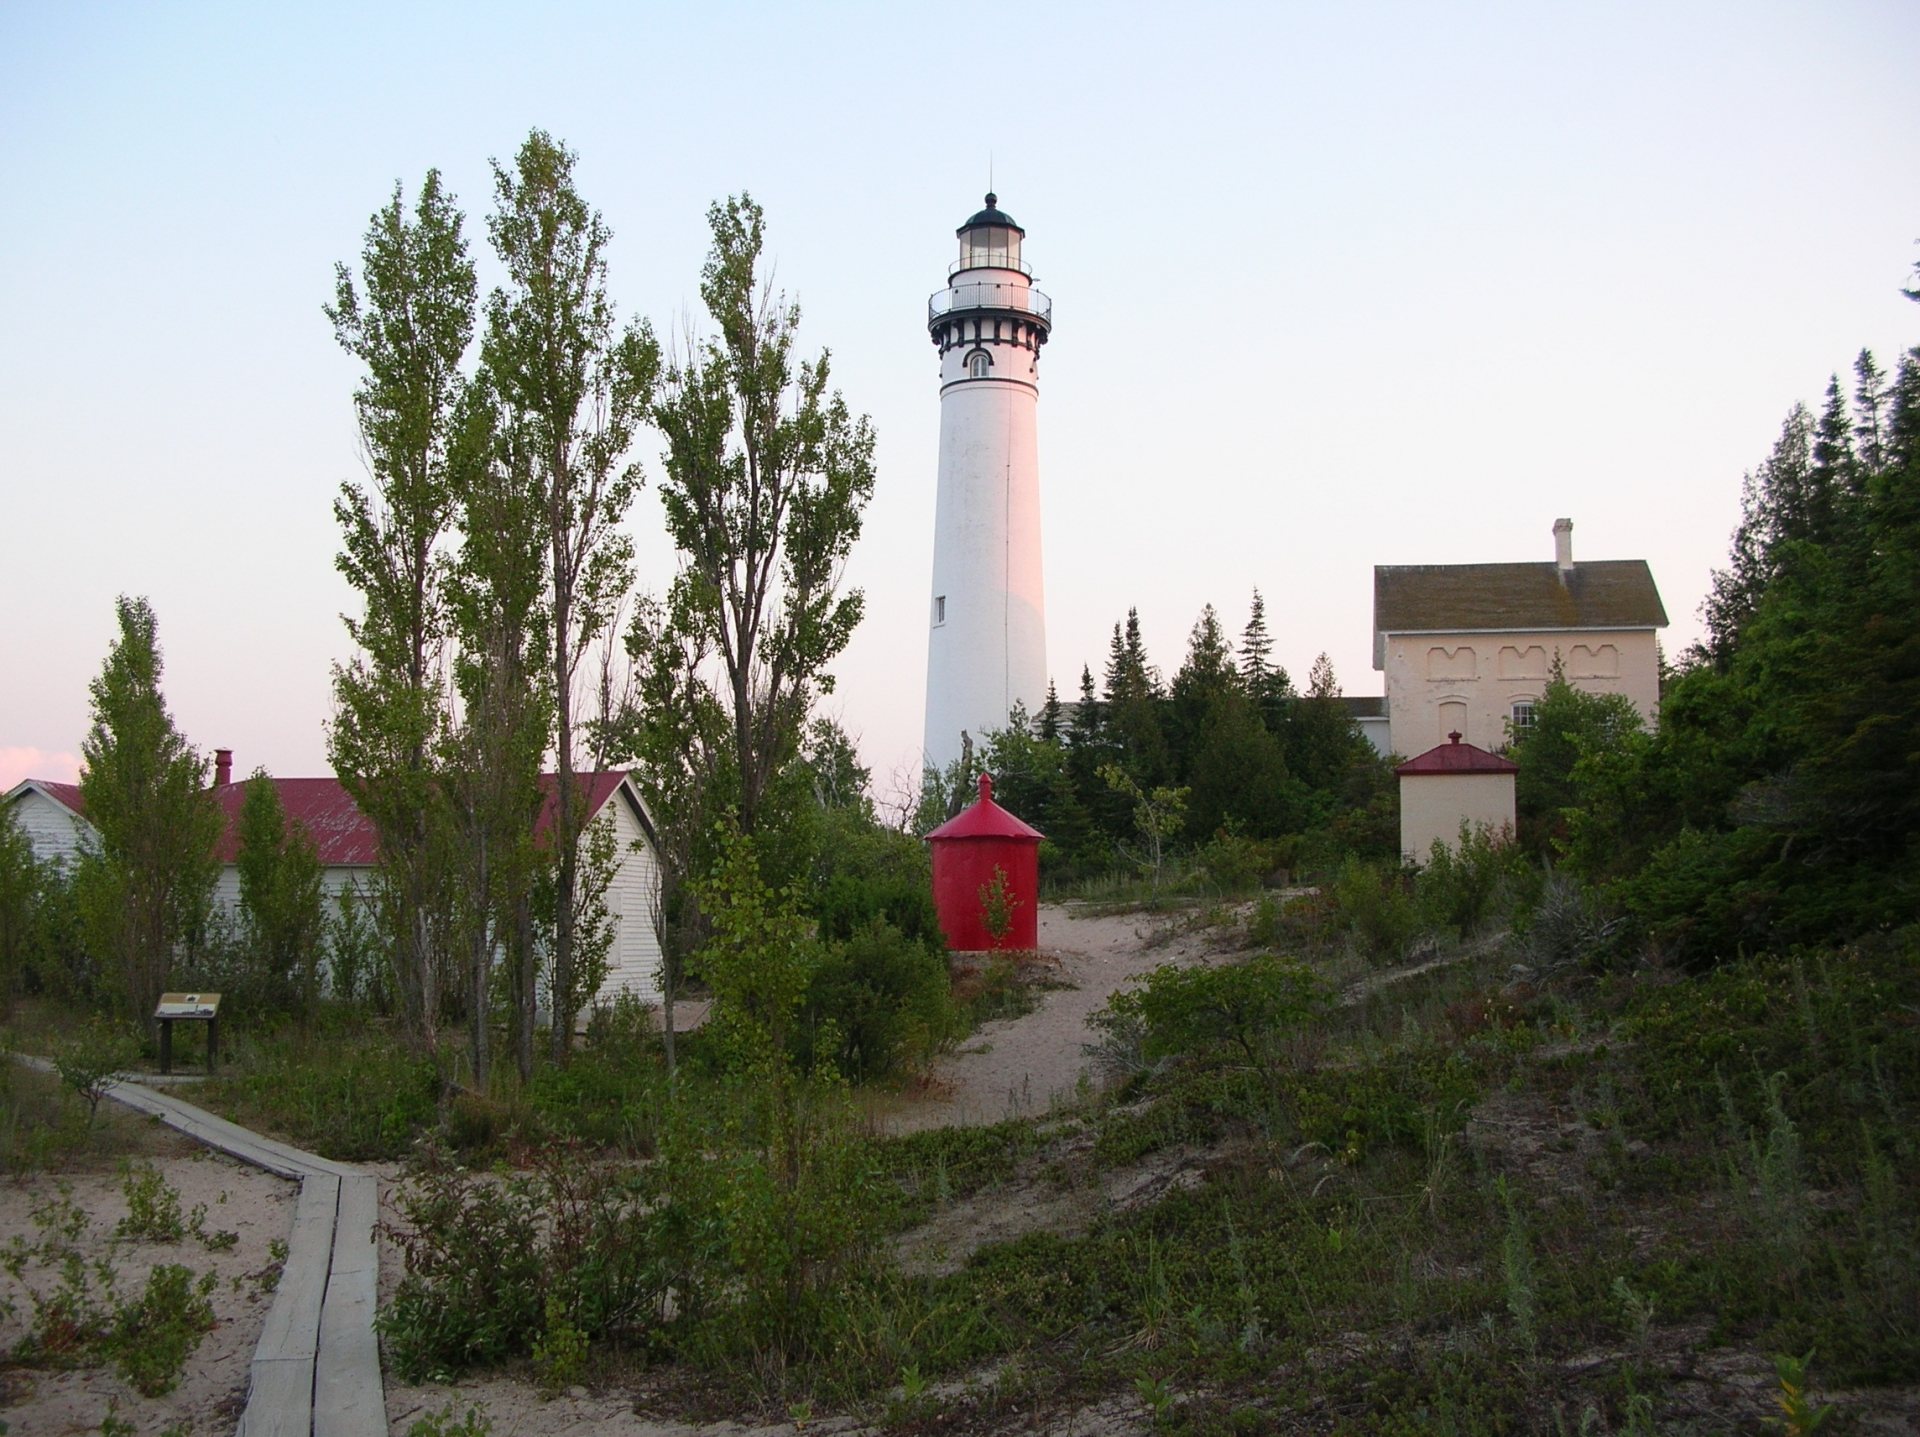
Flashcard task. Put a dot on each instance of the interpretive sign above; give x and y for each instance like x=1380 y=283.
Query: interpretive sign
x=188 y=1008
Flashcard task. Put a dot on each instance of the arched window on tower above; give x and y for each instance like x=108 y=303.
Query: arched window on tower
x=979 y=364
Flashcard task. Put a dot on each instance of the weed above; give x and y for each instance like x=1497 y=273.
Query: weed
x=559 y=1353
x=153 y=1336
x=444 y=1424
x=153 y=1207
x=1799 y=1415
x=113 y=1424
x=1516 y=1266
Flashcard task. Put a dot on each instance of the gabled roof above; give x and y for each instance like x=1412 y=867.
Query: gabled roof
x=1456 y=757
x=986 y=819
x=343 y=836
x=1464 y=598
x=67 y=795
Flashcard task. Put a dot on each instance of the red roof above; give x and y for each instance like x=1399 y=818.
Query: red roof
x=66 y=793
x=344 y=837
x=1456 y=757
x=986 y=819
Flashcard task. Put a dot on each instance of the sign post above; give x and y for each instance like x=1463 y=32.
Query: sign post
x=188 y=1008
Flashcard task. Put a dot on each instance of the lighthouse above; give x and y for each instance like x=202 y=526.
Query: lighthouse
x=987 y=631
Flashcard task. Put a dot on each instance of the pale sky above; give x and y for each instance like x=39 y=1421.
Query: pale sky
x=1334 y=286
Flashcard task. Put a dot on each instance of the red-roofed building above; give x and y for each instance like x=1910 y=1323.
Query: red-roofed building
x=1453 y=785
x=53 y=817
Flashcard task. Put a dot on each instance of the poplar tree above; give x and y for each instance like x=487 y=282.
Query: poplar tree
x=572 y=392
x=410 y=331
x=492 y=754
x=145 y=885
x=280 y=898
x=767 y=476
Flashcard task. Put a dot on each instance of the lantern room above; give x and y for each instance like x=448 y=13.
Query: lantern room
x=986 y=878
x=990 y=240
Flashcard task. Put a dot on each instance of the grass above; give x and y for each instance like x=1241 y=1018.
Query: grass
x=1460 y=1202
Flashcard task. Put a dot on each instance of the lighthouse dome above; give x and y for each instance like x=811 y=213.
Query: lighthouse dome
x=991 y=215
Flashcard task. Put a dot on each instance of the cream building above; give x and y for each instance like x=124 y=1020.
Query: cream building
x=1468 y=648
x=1451 y=785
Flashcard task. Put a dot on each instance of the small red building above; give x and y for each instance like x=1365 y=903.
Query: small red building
x=967 y=853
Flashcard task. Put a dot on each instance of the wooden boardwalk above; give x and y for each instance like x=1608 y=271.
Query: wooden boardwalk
x=316 y=1369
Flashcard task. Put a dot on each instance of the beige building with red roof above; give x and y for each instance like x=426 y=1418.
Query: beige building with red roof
x=1469 y=648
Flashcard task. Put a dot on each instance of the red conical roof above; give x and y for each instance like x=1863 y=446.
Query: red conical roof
x=986 y=819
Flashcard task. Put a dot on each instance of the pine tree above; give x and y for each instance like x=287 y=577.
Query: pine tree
x=1050 y=716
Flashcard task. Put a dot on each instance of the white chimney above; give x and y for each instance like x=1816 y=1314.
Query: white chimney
x=1563 y=546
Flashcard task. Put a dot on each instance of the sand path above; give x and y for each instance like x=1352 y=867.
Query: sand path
x=1017 y=1067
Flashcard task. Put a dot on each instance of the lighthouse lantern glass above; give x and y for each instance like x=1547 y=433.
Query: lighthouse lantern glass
x=990 y=247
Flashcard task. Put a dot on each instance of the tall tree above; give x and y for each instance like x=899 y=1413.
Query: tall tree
x=574 y=391
x=767 y=476
x=410 y=331
x=491 y=756
x=280 y=898
x=147 y=882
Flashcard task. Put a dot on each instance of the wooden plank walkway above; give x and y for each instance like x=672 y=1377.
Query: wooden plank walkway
x=316 y=1368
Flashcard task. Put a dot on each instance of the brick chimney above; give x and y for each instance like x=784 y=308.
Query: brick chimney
x=222 y=767
x=1563 y=547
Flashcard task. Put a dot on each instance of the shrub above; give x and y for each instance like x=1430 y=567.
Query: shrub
x=154 y=1336
x=497 y=1268
x=1467 y=886
x=1372 y=902
x=1239 y=1007
x=1235 y=864
x=878 y=1004
x=92 y=1061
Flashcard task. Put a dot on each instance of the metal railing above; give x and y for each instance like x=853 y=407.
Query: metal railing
x=985 y=294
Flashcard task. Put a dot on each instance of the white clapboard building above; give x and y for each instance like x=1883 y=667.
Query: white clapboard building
x=53 y=817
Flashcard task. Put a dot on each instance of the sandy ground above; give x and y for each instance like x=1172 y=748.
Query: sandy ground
x=1023 y=1066
x=212 y=1388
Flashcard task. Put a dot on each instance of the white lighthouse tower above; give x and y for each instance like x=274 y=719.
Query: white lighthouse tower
x=987 y=644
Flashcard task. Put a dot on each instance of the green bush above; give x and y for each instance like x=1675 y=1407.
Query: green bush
x=1466 y=886
x=878 y=1004
x=1371 y=901
x=1238 y=1007
x=499 y=1267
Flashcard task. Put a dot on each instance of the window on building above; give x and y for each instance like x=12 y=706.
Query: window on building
x=940 y=610
x=1521 y=719
x=979 y=365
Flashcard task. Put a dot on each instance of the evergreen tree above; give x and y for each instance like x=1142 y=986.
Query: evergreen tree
x=1205 y=678
x=1051 y=723
x=145 y=885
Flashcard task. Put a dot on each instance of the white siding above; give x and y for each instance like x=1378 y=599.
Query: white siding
x=55 y=831
x=634 y=964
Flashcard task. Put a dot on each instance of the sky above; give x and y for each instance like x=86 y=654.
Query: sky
x=1334 y=286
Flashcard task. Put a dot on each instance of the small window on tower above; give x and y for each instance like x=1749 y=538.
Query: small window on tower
x=979 y=364
x=940 y=610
